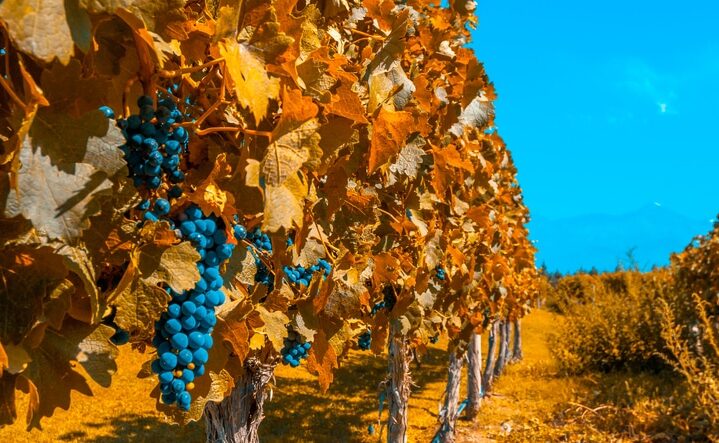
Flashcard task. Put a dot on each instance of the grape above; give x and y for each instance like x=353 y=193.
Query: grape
x=178 y=385
x=184 y=357
x=179 y=341
x=294 y=349
x=168 y=398
x=199 y=357
x=197 y=339
x=166 y=377
x=183 y=333
x=440 y=273
x=168 y=361
x=240 y=232
x=162 y=206
x=187 y=376
x=189 y=308
x=173 y=326
x=174 y=310
x=188 y=322
x=106 y=110
x=365 y=340
x=152 y=151
x=120 y=337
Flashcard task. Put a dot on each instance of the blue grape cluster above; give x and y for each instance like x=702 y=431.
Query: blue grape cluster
x=261 y=242
x=365 y=340
x=387 y=303
x=302 y=276
x=434 y=339
x=153 y=150
x=294 y=349
x=440 y=273
x=183 y=334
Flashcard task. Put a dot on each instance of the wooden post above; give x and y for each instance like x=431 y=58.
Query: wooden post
x=398 y=389
x=451 y=403
x=474 y=375
x=517 y=354
x=488 y=376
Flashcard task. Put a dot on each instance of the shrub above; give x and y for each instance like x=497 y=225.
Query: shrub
x=611 y=321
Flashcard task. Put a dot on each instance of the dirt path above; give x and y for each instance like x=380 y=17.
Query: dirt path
x=526 y=395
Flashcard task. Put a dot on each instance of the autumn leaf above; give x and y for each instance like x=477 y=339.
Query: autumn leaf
x=253 y=86
x=322 y=360
x=284 y=204
x=389 y=134
x=174 y=265
x=58 y=203
x=295 y=139
x=138 y=304
x=51 y=362
x=46 y=29
x=275 y=326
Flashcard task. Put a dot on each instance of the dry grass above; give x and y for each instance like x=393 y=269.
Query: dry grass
x=531 y=399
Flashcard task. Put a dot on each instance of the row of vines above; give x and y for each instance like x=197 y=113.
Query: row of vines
x=228 y=186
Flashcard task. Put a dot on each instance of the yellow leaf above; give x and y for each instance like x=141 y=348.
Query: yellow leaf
x=257 y=341
x=254 y=88
x=284 y=204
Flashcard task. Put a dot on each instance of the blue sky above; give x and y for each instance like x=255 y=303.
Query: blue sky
x=607 y=106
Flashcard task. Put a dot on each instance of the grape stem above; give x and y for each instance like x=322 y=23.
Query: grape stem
x=189 y=70
x=11 y=93
x=201 y=132
x=369 y=36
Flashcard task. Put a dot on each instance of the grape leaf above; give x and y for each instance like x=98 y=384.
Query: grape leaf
x=322 y=359
x=139 y=304
x=389 y=134
x=4 y=362
x=174 y=265
x=284 y=204
x=52 y=361
x=254 y=88
x=156 y=14
x=95 y=352
x=91 y=139
x=27 y=274
x=78 y=261
x=477 y=114
x=45 y=28
x=232 y=327
x=275 y=326
x=57 y=202
x=295 y=139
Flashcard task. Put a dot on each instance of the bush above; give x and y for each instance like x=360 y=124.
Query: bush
x=611 y=321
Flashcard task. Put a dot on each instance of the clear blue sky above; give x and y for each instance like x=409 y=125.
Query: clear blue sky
x=607 y=106
x=582 y=87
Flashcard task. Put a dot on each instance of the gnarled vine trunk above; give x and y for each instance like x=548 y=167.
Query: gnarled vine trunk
x=474 y=375
x=451 y=402
x=398 y=387
x=503 y=354
x=237 y=418
x=488 y=376
x=517 y=354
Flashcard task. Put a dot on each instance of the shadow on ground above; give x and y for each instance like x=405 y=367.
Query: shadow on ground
x=301 y=412
x=138 y=428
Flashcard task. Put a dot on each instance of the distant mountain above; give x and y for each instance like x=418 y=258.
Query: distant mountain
x=602 y=241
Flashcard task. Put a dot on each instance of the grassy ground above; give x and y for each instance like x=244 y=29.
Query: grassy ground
x=531 y=402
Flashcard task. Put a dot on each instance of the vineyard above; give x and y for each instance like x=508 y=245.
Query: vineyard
x=234 y=199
